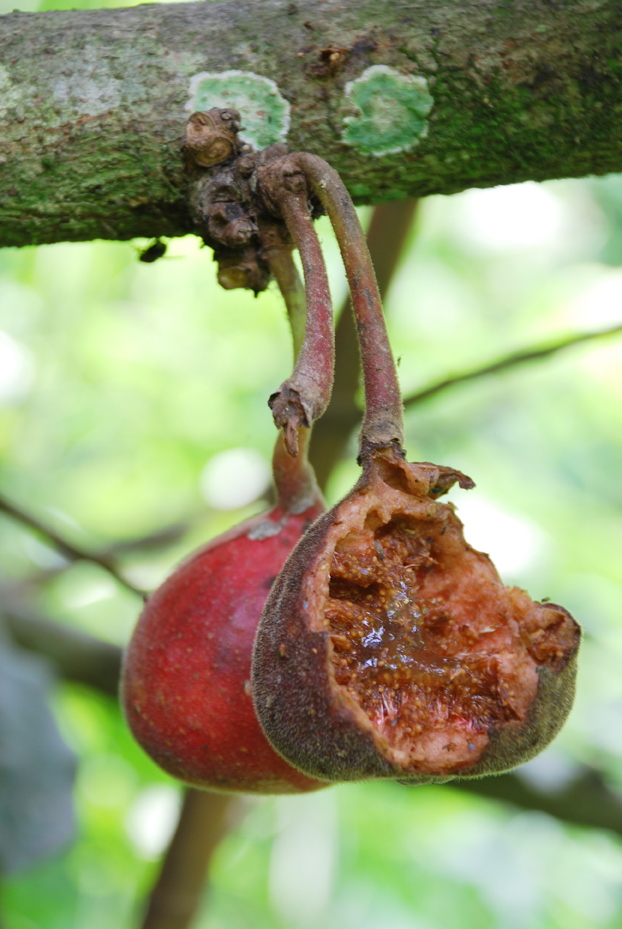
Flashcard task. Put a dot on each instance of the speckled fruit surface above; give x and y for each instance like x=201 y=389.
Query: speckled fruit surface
x=186 y=676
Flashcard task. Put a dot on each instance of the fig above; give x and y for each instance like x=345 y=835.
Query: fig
x=388 y=647
x=186 y=675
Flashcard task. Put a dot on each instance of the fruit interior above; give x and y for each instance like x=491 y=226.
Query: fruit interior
x=430 y=644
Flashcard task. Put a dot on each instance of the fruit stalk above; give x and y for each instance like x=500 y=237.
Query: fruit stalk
x=313 y=344
x=281 y=263
x=383 y=421
x=304 y=396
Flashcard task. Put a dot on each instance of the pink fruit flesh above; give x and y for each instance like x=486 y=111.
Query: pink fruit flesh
x=186 y=677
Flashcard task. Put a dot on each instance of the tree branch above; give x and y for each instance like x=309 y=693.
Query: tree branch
x=65 y=548
x=586 y=801
x=159 y=538
x=510 y=361
x=77 y=656
x=177 y=893
x=469 y=93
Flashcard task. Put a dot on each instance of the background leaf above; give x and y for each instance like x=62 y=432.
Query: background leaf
x=37 y=769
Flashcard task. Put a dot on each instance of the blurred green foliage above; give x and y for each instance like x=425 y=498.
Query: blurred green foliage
x=128 y=378
x=119 y=381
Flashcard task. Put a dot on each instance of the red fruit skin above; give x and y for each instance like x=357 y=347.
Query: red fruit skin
x=185 y=686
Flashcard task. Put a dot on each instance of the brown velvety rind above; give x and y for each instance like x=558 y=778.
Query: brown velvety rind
x=318 y=726
x=301 y=717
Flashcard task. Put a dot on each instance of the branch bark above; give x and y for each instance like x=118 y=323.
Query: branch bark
x=176 y=896
x=469 y=93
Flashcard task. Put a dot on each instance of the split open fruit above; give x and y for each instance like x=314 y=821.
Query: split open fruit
x=391 y=648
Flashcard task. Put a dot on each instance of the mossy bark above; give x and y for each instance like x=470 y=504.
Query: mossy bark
x=92 y=103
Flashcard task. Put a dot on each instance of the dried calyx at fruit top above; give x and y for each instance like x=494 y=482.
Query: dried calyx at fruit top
x=388 y=647
x=186 y=674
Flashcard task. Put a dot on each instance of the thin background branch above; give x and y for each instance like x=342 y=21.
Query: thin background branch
x=513 y=360
x=77 y=656
x=176 y=896
x=63 y=546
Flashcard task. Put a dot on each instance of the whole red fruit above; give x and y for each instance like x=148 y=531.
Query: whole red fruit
x=186 y=678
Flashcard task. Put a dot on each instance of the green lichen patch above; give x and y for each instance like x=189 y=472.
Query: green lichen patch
x=9 y=94
x=388 y=111
x=265 y=112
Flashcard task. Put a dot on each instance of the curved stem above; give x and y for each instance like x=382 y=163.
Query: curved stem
x=383 y=422
x=386 y=236
x=294 y=478
x=285 y=273
x=304 y=396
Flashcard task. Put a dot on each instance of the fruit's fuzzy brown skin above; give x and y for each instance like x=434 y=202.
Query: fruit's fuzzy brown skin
x=186 y=678
x=388 y=647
